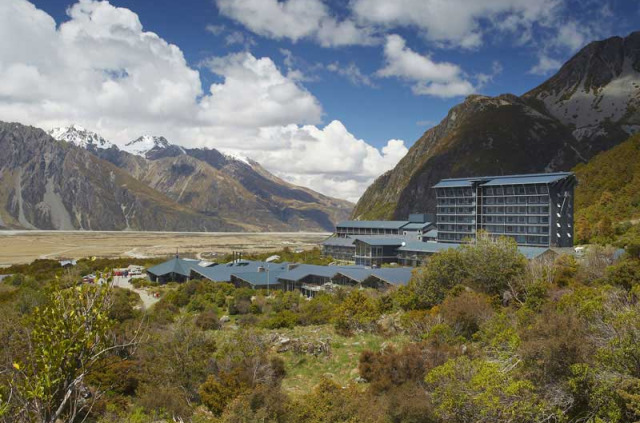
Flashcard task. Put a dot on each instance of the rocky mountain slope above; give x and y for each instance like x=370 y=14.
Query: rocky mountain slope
x=183 y=189
x=49 y=184
x=590 y=105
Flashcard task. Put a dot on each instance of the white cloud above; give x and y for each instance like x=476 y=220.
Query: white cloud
x=100 y=69
x=439 y=79
x=331 y=159
x=455 y=22
x=295 y=20
x=545 y=65
x=352 y=72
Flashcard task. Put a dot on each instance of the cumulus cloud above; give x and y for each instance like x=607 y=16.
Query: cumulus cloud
x=439 y=79
x=295 y=20
x=456 y=22
x=100 y=69
x=329 y=158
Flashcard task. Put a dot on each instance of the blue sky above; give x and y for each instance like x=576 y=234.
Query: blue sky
x=382 y=70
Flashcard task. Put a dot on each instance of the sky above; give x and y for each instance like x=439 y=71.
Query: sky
x=323 y=93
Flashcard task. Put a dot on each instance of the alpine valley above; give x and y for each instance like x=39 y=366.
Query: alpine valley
x=72 y=178
x=590 y=105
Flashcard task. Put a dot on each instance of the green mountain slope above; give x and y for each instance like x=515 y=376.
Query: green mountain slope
x=608 y=191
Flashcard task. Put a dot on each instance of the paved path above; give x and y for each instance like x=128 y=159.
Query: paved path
x=123 y=282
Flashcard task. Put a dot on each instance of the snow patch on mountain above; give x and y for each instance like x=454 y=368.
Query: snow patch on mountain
x=142 y=145
x=80 y=136
x=232 y=155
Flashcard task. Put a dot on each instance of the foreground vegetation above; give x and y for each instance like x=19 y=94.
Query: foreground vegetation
x=478 y=335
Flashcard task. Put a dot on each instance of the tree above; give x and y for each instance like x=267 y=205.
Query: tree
x=67 y=339
x=492 y=264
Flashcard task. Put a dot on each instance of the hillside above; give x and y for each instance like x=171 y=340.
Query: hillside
x=49 y=184
x=589 y=105
x=82 y=181
x=212 y=183
x=608 y=190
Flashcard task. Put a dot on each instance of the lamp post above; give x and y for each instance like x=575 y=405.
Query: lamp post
x=268 y=280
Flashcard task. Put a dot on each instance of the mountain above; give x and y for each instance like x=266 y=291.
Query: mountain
x=588 y=106
x=212 y=184
x=608 y=190
x=81 y=137
x=50 y=184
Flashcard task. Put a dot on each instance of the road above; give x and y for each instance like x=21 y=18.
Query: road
x=147 y=299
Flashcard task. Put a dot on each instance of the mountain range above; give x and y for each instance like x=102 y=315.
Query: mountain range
x=590 y=105
x=72 y=178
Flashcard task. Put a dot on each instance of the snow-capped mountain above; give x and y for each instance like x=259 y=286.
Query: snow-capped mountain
x=80 y=136
x=197 y=188
x=144 y=144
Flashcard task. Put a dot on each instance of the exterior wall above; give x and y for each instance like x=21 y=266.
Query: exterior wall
x=533 y=214
x=372 y=255
x=170 y=277
x=339 y=252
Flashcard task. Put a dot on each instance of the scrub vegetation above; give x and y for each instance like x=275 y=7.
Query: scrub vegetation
x=478 y=335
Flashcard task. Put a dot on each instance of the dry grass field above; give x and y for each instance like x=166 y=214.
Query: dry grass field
x=25 y=246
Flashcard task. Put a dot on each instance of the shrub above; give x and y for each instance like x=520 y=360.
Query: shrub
x=282 y=319
x=208 y=320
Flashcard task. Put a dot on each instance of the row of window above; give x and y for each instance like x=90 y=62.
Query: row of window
x=515 y=190
x=515 y=209
x=533 y=220
x=533 y=199
x=456 y=201
x=514 y=229
x=454 y=219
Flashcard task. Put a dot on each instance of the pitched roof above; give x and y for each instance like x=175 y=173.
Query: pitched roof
x=375 y=224
x=416 y=226
x=427 y=247
x=394 y=275
x=223 y=272
x=303 y=270
x=260 y=278
x=381 y=240
x=532 y=178
x=175 y=265
x=339 y=241
x=433 y=233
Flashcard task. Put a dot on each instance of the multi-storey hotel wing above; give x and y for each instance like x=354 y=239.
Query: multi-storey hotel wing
x=534 y=209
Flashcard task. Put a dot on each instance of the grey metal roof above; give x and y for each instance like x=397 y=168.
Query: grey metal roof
x=223 y=272
x=433 y=233
x=532 y=178
x=540 y=178
x=258 y=279
x=338 y=241
x=391 y=275
x=381 y=241
x=374 y=224
x=394 y=275
x=303 y=270
x=416 y=226
x=427 y=247
x=436 y=247
x=532 y=252
x=454 y=183
x=175 y=265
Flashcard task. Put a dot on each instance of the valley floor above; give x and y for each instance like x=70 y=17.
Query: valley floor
x=18 y=247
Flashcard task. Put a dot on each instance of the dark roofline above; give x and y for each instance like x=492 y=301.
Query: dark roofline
x=479 y=178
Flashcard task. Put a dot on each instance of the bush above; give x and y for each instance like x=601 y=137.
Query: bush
x=282 y=319
x=358 y=312
x=466 y=311
x=208 y=320
x=388 y=367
